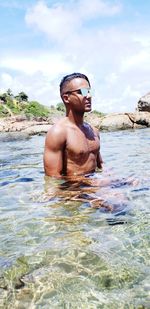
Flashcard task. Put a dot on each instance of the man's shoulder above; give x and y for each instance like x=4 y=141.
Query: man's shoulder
x=59 y=125
x=58 y=128
x=56 y=135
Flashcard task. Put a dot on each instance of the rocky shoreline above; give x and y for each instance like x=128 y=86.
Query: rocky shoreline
x=22 y=128
x=123 y=121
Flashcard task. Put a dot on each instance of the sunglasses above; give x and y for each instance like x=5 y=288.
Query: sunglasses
x=83 y=91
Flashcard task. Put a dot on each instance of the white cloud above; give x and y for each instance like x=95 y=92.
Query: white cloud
x=48 y=64
x=88 y=9
x=60 y=22
x=130 y=92
x=138 y=60
x=37 y=86
x=57 y=22
x=6 y=79
x=115 y=58
x=143 y=40
x=112 y=78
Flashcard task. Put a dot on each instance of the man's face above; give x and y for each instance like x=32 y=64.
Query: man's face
x=77 y=95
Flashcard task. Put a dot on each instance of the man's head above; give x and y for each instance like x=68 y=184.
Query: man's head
x=68 y=78
x=75 y=91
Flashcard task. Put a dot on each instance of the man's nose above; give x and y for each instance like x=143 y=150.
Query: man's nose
x=89 y=95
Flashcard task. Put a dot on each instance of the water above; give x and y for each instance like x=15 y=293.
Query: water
x=75 y=244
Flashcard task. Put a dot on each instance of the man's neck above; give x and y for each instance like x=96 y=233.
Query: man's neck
x=75 y=118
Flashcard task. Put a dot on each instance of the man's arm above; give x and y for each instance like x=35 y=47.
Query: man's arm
x=99 y=157
x=99 y=160
x=53 y=153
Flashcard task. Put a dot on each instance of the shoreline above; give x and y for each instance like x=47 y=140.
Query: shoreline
x=109 y=122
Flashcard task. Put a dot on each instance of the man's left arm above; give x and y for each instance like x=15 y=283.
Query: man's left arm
x=99 y=160
x=99 y=157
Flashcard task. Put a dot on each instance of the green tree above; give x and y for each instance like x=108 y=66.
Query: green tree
x=3 y=97
x=36 y=109
x=97 y=113
x=22 y=96
x=60 y=107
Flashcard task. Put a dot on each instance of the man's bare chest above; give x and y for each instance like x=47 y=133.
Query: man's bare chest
x=81 y=143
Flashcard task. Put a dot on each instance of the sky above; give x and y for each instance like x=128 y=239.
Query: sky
x=109 y=41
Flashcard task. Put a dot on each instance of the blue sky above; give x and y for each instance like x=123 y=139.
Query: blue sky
x=41 y=41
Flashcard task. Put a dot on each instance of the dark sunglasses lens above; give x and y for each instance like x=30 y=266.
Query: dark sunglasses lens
x=79 y=91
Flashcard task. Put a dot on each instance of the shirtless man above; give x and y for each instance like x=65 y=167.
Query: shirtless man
x=72 y=145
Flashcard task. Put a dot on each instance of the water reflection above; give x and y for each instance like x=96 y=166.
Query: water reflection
x=95 y=191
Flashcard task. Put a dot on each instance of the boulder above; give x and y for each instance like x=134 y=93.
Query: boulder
x=110 y=122
x=113 y=122
x=93 y=119
x=140 y=119
x=144 y=103
x=37 y=129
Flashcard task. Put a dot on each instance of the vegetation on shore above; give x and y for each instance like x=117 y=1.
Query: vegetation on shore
x=11 y=105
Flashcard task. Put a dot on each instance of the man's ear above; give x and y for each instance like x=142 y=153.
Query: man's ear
x=65 y=98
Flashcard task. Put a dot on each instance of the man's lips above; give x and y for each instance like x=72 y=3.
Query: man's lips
x=87 y=103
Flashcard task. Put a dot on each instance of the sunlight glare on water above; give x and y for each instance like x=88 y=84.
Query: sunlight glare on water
x=81 y=243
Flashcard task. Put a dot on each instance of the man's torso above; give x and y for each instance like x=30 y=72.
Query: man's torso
x=81 y=149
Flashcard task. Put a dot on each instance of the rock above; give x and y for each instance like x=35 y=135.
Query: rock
x=140 y=119
x=110 y=122
x=13 y=124
x=93 y=119
x=144 y=103
x=113 y=122
x=40 y=119
x=37 y=129
x=21 y=118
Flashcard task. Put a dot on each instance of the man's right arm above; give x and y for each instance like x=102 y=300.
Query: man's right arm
x=53 y=153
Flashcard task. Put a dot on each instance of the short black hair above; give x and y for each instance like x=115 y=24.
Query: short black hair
x=66 y=79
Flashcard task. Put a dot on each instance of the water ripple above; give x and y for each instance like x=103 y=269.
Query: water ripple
x=75 y=244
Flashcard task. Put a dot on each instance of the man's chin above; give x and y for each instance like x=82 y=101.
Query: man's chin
x=88 y=109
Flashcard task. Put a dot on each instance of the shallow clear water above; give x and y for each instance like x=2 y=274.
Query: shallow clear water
x=58 y=247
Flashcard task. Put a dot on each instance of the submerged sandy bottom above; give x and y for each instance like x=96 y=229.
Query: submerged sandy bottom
x=75 y=243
